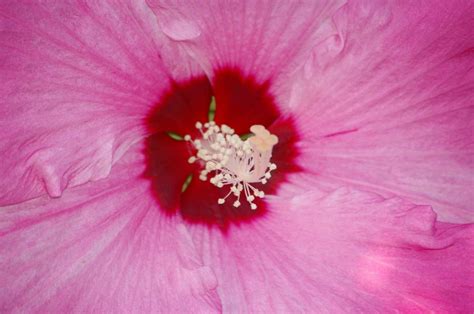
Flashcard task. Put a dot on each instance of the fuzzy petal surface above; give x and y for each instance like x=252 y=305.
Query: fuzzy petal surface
x=347 y=251
x=267 y=39
x=391 y=108
x=77 y=79
x=103 y=247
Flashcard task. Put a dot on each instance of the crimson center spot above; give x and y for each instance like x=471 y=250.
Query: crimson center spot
x=189 y=178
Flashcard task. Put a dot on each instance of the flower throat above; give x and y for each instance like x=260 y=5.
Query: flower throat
x=215 y=167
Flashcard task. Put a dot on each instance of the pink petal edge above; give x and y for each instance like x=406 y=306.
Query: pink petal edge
x=103 y=247
x=346 y=251
x=269 y=40
x=390 y=110
x=75 y=90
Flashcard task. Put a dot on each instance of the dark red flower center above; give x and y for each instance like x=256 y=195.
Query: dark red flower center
x=240 y=103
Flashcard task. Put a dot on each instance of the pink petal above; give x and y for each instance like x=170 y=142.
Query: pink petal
x=268 y=40
x=103 y=247
x=391 y=110
x=77 y=80
x=349 y=251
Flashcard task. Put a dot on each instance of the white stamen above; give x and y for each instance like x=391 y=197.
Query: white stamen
x=233 y=162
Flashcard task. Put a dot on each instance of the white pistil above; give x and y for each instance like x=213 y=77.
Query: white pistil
x=233 y=162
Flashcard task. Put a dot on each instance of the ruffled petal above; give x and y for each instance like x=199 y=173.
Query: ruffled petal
x=103 y=247
x=268 y=40
x=349 y=251
x=77 y=81
x=391 y=109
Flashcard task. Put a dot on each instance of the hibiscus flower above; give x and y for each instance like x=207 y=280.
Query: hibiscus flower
x=236 y=157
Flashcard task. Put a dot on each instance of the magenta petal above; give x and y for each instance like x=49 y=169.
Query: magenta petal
x=265 y=39
x=392 y=110
x=103 y=247
x=77 y=79
x=348 y=251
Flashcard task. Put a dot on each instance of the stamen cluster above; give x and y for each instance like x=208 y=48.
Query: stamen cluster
x=231 y=161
